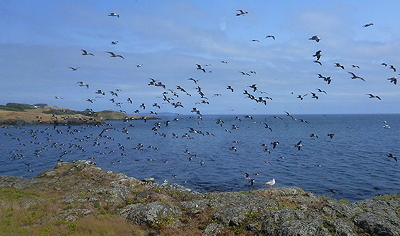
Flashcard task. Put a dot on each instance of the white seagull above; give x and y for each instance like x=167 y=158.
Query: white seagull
x=270 y=183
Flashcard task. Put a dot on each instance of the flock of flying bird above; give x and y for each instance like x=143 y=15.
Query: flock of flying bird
x=170 y=95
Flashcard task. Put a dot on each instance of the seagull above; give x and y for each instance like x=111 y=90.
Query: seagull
x=85 y=53
x=270 y=36
x=328 y=80
x=254 y=87
x=74 y=68
x=115 y=55
x=288 y=114
x=200 y=68
x=241 y=12
x=100 y=92
x=113 y=14
x=331 y=135
x=270 y=183
x=268 y=127
x=56 y=97
x=373 y=96
x=317 y=55
x=255 y=40
x=274 y=144
x=393 y=68
x=194 y=80
x=321 y=91
x=355 y=66
x=338 y=65
x=354 y=76
x=315 y=37
x=393 y=80
x=229 y=87
x=298 y=145
x=114 y=42
x=82 y=84
x=366 y=25
x=391 y=156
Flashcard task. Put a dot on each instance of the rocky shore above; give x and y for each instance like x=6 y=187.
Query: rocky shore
x=80 y=191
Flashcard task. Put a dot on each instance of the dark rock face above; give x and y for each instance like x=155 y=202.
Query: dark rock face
x=274 y=211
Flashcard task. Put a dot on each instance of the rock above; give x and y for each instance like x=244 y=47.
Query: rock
x=154 y=214
x=212 y=229
x=375 y=224
x=303 y=228
x=148 y=180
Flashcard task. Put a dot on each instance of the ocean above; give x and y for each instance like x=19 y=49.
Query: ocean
x=215 y=152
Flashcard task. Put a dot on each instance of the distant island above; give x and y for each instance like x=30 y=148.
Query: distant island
x=17 y=114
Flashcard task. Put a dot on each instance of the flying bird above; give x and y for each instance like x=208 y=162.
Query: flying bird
x=298 y=145
x=194 y=80
x=229 y=87
x=338 y=65
x=315 y=37
x=373 y=96
x=113 y=14
x=367 y=25
x=393 y=80
x=85 y=53
x=115 y=55
x=354 y=76
x=391 y=156
x=74 y=68
x=241 y=12
x=81 y=83
x=199 y=67
x=270 y=36
x=274 y=144
x=317 y=55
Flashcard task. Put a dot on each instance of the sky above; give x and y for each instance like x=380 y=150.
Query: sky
x=165 y=40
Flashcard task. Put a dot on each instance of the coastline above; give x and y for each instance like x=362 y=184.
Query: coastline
x=83 y=191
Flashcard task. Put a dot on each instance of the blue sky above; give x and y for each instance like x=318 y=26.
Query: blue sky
x=41 y=39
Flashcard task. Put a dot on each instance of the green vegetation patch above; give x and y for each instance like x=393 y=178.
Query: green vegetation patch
x=70 y=112
x=15 y=195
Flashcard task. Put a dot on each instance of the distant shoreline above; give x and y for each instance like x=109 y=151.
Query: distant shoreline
x=14 y=114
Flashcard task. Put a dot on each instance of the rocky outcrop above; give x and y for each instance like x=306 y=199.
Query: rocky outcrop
x=163 y=207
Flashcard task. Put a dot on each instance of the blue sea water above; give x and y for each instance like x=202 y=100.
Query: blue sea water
x=352 y=165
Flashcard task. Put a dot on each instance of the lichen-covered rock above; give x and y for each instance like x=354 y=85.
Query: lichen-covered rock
x=303 y=228
x=212 y=229
x=375 y=224
x=154 y=214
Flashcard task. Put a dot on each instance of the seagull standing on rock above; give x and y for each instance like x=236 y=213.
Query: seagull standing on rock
x=270 y=183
